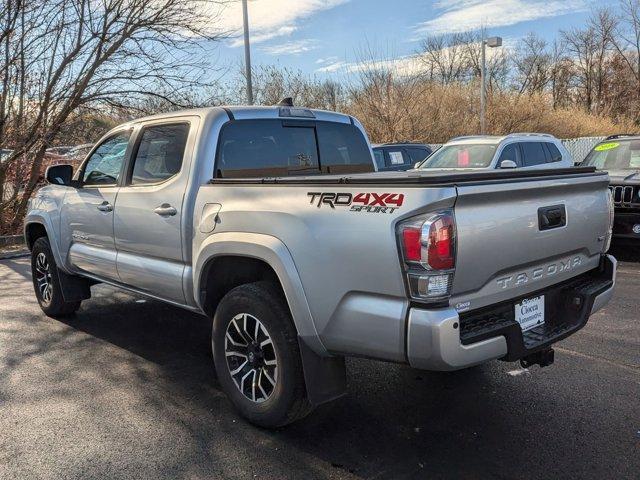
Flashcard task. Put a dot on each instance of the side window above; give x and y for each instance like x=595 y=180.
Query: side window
x=510 y=152
x=258 y=148
x=418 y=154
x=159 y=154
x=556 y=156
x=378 y=156
x=533 y=154
x=105 y=163
x=343 y=149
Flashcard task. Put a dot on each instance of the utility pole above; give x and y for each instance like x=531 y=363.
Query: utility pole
x=483 y=90
x=247 y=52
x=491 y=42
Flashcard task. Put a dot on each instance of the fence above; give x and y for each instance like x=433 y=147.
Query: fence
x=580 y=147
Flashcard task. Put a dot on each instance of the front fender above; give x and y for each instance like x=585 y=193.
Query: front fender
x=272 y=251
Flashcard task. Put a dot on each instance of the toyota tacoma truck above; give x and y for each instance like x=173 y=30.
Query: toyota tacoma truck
x=272 y=222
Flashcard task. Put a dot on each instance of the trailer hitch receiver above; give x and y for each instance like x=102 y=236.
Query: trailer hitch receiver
x=544 y=358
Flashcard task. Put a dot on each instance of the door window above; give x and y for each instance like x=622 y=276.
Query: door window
x=418 y=154
x=534 y=154
x=159 y=154
x=510 y=152
x=105 y=163
x=555 y=154
x=378 y=156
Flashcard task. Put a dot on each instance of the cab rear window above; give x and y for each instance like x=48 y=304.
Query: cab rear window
x=273 y=148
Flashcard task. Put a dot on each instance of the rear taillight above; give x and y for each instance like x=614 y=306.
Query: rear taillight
x=428 y=254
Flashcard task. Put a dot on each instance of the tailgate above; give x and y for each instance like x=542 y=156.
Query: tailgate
x=512 y=240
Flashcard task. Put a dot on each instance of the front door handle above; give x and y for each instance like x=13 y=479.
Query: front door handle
x=165 y=210
x=105 y=207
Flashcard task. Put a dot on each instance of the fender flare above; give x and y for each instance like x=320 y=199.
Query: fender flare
x=325 y=375
x=274 y=253
x=45 y=221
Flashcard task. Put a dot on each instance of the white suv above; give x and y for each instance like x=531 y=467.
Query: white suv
x=516 y=150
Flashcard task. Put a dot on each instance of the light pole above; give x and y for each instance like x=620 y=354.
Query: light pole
x=490 y=42
x=247 y=52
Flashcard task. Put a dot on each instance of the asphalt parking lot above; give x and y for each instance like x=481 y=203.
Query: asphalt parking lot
x=126 y=389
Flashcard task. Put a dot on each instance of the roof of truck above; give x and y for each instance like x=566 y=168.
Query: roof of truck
x=243 y=112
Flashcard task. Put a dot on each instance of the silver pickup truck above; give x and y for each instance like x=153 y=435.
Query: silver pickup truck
x=272 y=222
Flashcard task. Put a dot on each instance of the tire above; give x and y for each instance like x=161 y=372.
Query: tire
x=272 y=395
x=46 y=282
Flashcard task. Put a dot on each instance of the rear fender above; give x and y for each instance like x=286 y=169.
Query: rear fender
x=45 y=221
x=324 y=374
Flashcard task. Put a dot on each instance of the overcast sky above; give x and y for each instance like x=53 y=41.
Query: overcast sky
x=326 y=37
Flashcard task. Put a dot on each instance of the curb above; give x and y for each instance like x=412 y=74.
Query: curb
x=10 y=255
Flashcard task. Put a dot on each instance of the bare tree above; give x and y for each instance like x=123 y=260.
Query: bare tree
x=582 y=46
x=63 y=55
x=604 y=24
x=532 y=65
x=561 y=75
x=443 y=58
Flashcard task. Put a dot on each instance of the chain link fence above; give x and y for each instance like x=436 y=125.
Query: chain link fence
x=580 y=147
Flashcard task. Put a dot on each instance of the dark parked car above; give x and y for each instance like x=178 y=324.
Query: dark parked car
x=399 y=156
x=620 y=156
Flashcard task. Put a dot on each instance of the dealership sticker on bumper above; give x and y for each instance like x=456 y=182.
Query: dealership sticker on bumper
x=530 y=312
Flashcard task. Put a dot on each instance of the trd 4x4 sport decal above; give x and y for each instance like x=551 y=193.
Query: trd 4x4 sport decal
x=358 y=202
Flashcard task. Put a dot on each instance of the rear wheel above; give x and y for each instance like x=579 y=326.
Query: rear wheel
x=46 y=282
x=257 y=358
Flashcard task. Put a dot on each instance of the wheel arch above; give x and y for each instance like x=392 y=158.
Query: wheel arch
x=258 y=257
x=254 y=257
x=37 y=226
x=33 y=231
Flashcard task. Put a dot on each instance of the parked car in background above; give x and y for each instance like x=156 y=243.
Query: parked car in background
x=399 y=156
x=516 y=150
x=78 y=152
x=60 y=151
x=620 y=156
x=4 y=154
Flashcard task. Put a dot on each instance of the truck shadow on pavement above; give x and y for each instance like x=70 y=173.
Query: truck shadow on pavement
x=153 y=361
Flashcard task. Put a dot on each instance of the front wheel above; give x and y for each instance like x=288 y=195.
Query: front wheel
x=46 y=283
x=256 y=355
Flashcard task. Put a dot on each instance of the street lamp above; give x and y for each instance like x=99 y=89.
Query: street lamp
x=490 y=42
x=247 y=52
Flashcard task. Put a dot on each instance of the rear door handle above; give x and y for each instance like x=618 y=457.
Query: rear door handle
x=165 y=210
x=105 y=207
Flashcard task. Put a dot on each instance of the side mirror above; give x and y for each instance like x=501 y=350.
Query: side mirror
x=508 y=164
x=416 y=165
x=577 y=164
x=60 y=175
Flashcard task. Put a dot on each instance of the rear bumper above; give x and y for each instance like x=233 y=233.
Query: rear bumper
x=445 y=340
